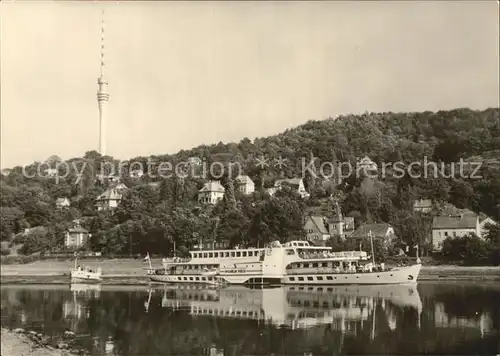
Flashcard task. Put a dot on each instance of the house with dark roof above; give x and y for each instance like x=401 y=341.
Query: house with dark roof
x=295 y=183
x=453 y=226
x=76 y=237
x=211 y=192
x=422 y=205
x=316 y=228
x=381 y=230
x=111 y=197
x=340 y=226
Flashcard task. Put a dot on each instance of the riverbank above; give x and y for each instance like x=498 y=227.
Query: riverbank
x=19 y=343
x=132 y=271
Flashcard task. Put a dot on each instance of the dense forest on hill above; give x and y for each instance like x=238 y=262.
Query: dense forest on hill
x=157 y=211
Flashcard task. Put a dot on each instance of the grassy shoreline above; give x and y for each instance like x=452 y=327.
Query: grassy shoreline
x=132 y=271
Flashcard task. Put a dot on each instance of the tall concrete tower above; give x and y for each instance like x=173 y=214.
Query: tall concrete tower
x=102 y=96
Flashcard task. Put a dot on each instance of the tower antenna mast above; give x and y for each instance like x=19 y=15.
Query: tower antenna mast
x=102 y=95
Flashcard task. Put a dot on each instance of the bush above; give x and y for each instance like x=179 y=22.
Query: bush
x=19 y=239
x=469 y=249
x=5 y=251
x=33 y=243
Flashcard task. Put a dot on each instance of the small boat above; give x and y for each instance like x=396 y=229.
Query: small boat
x=85 y=274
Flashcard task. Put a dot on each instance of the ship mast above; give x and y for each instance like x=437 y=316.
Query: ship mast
x=371 y=243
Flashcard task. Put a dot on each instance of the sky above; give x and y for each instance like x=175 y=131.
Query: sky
x=183 y=74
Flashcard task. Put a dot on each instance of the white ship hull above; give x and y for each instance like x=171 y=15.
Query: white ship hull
x=250 y=278
x=85 y=277
x=400 y=275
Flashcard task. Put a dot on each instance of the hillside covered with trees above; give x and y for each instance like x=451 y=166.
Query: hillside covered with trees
x=156 y=212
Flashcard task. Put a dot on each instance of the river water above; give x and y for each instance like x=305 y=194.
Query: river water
x=430 y=318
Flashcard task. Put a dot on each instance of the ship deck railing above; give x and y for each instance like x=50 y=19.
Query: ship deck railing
x=344 y=254
x=326 y=270
x=239 y=270
x=176 y=260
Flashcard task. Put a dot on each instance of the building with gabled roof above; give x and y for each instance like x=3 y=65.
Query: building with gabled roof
x=295 y=183
x=62 y=203
x=423 y=205
x=76 y=236
x=111 y=197
x=380 y=230
x=211 y=193
x=365 y=164
x=5 y=172
x=245 y=184
x=453 y=226
x=316 y=228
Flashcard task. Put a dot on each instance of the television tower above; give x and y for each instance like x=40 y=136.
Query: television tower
x=102 y=96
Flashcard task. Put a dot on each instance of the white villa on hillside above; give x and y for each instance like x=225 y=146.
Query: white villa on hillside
x=136 y=173
x=296 y=183
x=365 y=164
x=62 y=203
x=76 y=237
x=111 y=197
x=5 y=172
x=195 y=161
x=211 y=192
x=453 y=226
x=50 y=173
x=245 y=184
x=422 y=205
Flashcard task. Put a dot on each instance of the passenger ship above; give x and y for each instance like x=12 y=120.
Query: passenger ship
x=295 y=262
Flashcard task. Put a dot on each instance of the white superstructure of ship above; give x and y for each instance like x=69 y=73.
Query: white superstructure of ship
x=294 y=262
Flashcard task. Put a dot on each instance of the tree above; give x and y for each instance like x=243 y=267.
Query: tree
x=233 y=227
x=411 y=228
x=469 y=249
x=229 y=194
x=11 y=220
x=280 y=218
x=492 y=236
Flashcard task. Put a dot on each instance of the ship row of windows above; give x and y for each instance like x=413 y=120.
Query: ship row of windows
x=195 y=278
x=310 y=278
x=225 y=312
x=202 y=297
x=314 y=265
x=318 y=278
x=195 y=267
x=223 y=254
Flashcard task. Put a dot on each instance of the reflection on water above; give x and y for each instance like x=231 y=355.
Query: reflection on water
x=194 y=320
